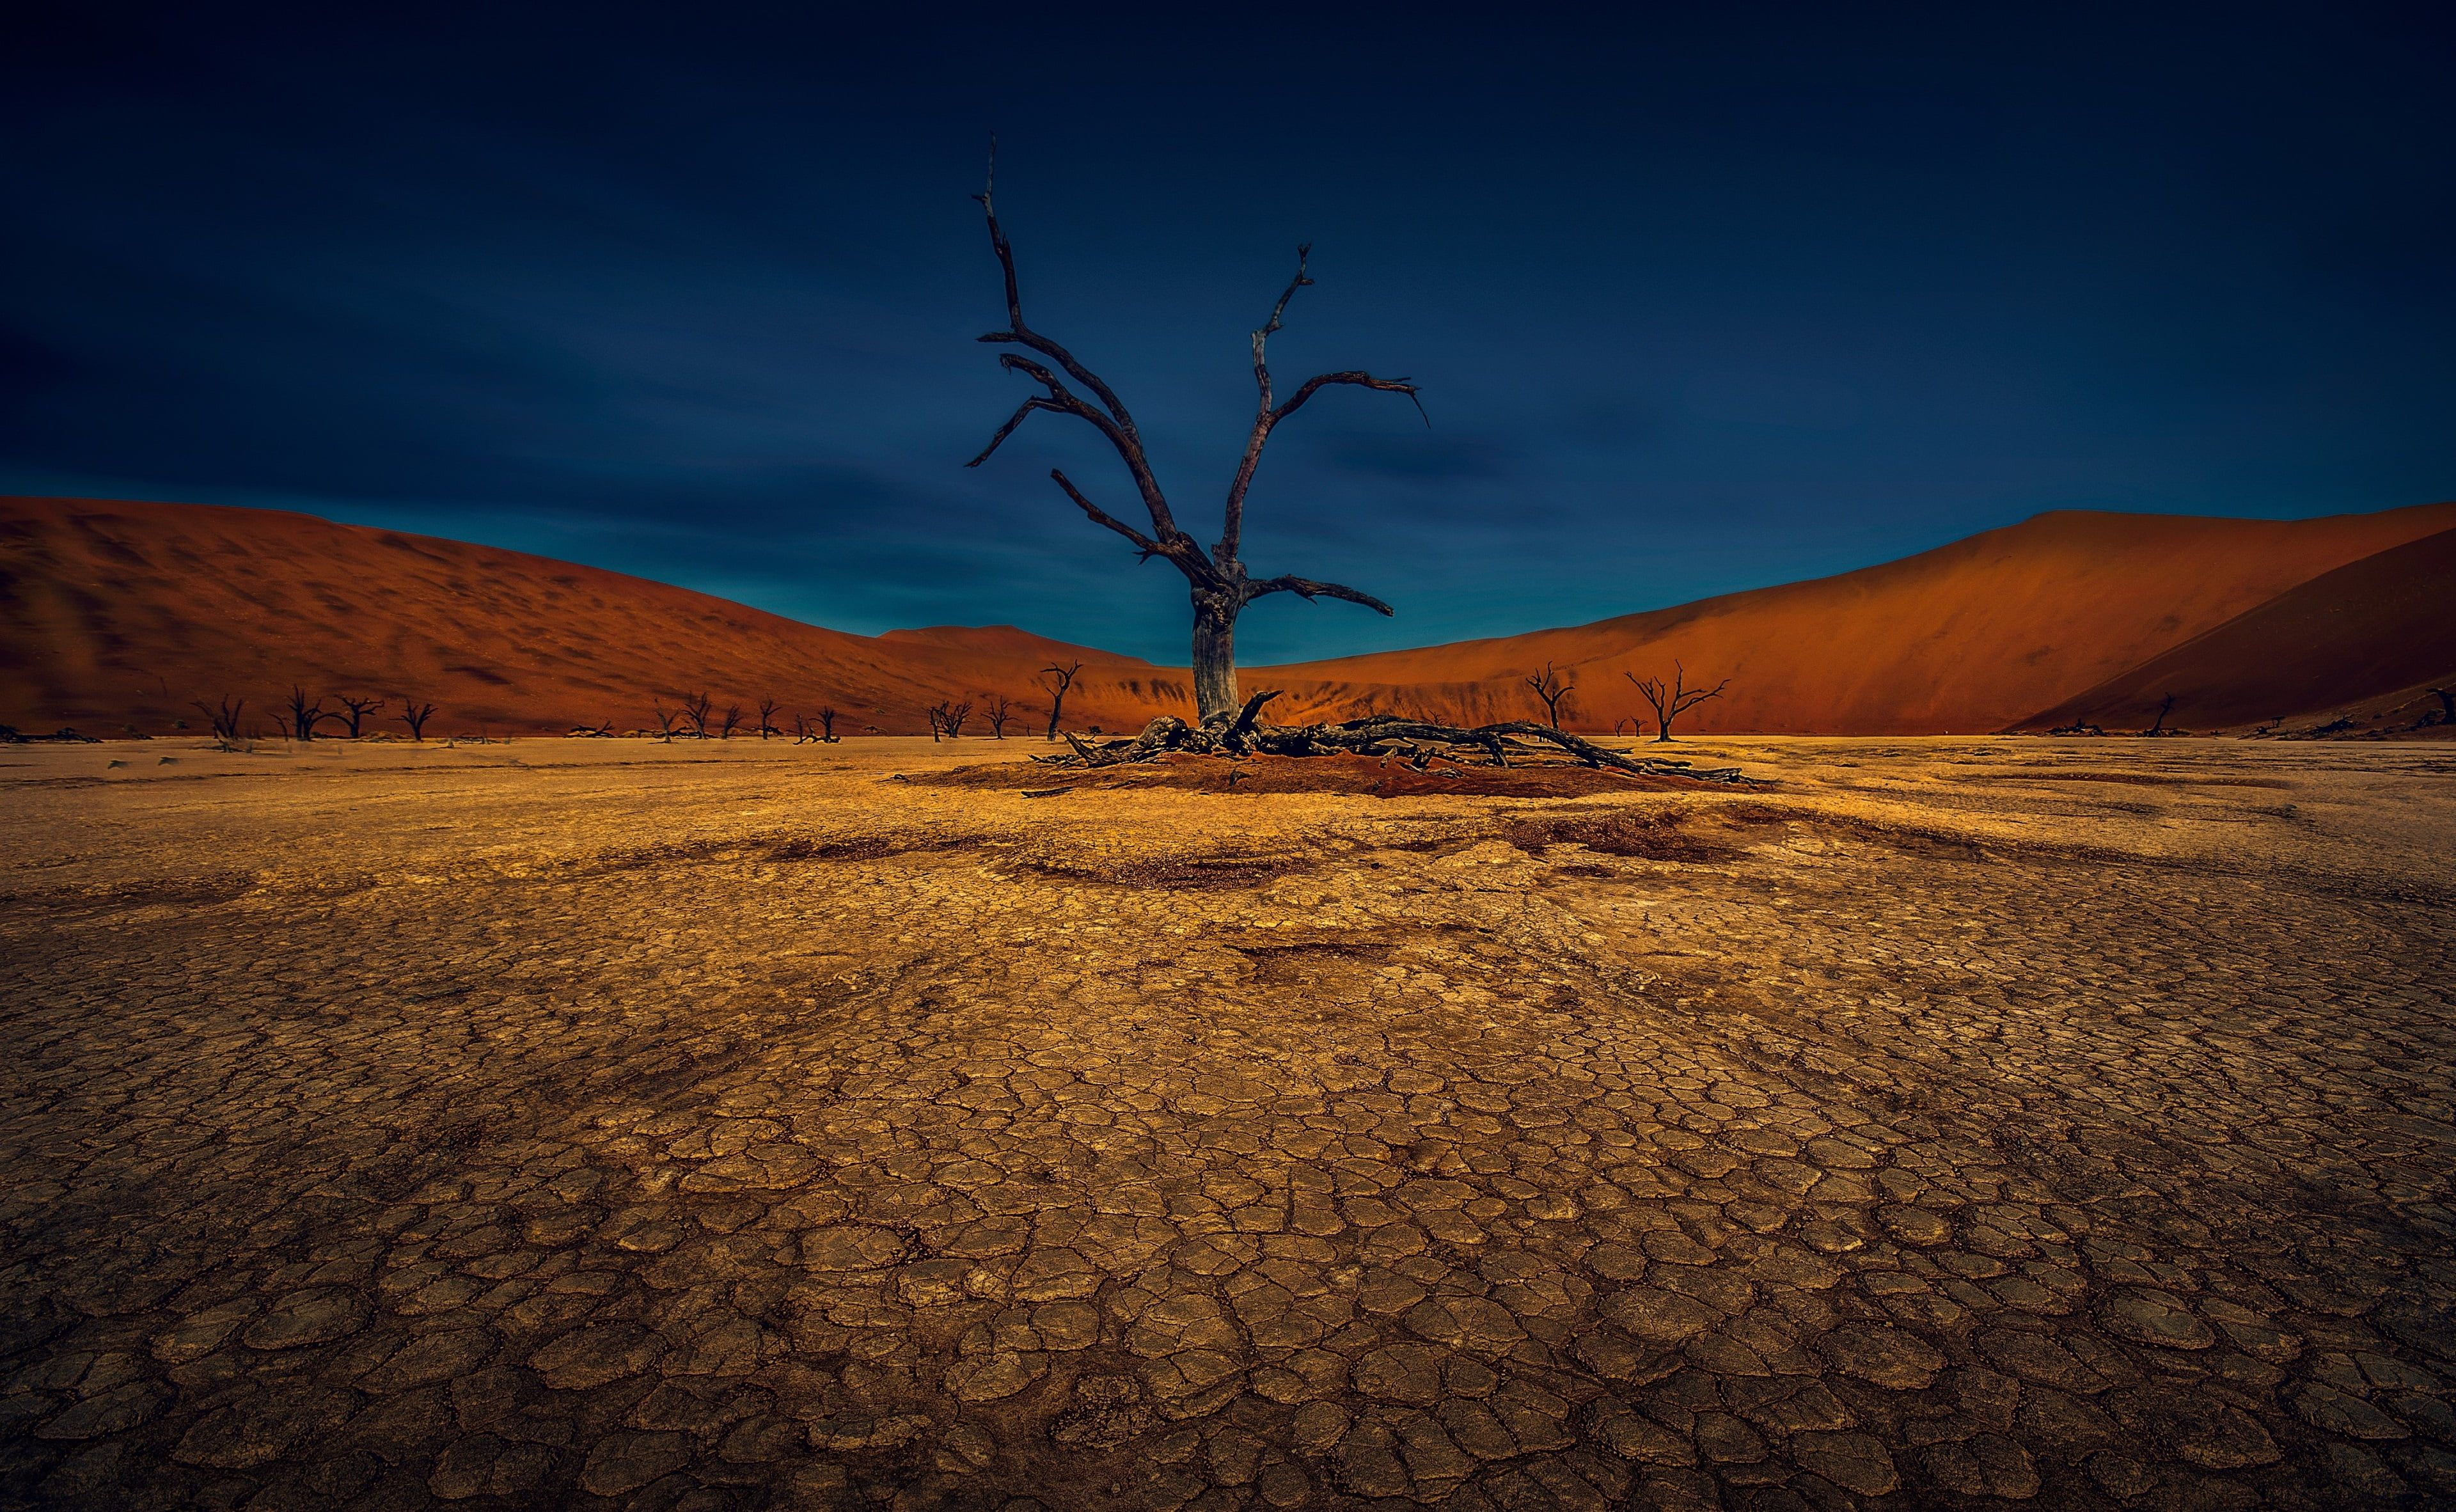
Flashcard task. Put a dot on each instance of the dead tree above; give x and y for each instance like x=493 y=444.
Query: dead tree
x=828 y=723
x=997 y=712
x=305 y=716
x=2158 y=727
x=1055 y=681
x=768 y=708
x=1553 y=689
x=355 y=709
x=1670 y=703
x=2447 y=704
x=414 y=715
x=1220 y=585
x=697 y=708
x=223 y=717
x=664 y=718
x=950 y=716
x=728 y=722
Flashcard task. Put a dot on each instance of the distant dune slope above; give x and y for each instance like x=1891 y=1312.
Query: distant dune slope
x=1968 y=638
x=2383 y=625
x=116 y=615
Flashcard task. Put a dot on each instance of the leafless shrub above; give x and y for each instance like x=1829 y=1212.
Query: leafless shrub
x=356 y=709
x=1672 y=702
x=1553 y=689
x=1055 y=681
x=304 y=715
x=697 y=708
x=223 y=716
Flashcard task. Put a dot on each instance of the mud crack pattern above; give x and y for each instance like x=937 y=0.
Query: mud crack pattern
x=1051 y=1161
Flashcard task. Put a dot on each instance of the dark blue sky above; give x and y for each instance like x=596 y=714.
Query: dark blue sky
x=1701 y=297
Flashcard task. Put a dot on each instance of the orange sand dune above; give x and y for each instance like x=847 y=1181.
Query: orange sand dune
x=1969 y=638
x=2376 y=628
x=1005 y=641
x=114 y=616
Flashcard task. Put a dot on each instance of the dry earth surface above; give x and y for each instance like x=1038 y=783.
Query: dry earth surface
x=573 y=1124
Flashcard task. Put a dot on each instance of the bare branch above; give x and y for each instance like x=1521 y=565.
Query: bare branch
x=999 y=242
x=1149 y=548
x=1036 y=402
x=1364 y=380
x=1307 y=588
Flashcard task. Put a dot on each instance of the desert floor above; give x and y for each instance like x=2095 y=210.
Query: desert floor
x=579 y=1123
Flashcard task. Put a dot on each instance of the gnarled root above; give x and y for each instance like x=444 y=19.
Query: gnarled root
x=1386 y=735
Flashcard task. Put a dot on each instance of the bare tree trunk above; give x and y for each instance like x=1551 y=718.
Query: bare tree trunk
x=1215 y=659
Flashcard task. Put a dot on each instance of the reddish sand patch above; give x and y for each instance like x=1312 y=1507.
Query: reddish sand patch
x=1364 y=776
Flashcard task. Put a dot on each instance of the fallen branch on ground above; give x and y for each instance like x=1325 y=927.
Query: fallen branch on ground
x=1416 y=742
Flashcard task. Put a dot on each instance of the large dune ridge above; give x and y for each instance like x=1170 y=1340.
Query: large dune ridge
x=1971 y=637
x=2373 y=637
x=115 y=616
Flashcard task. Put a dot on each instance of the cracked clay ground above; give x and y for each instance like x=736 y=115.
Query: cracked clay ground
x=1951 y=1123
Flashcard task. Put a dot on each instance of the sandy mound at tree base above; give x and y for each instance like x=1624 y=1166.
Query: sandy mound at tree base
x=1362 y=775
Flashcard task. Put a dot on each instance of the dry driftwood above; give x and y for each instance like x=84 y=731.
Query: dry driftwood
x=1387 y=735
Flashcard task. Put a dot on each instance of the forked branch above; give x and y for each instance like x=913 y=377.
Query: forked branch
x=1112 y=419
x=1308 y=589
x=1670 y=703
x=1267 y=416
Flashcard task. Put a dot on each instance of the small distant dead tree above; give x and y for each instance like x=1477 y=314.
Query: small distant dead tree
x=2164 y=708
x=1217 y=579
x=950 y=716
x=355 y=709
x=1670 y=703
x=728 y=722
x=768 y=708
x=305 y=716
x=1055 y=681
x=1553 y=689
x=223 y=717
x=664 y=718
x=997 y=712
x=828 y=723
x=414 y=715
x=697 y=708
